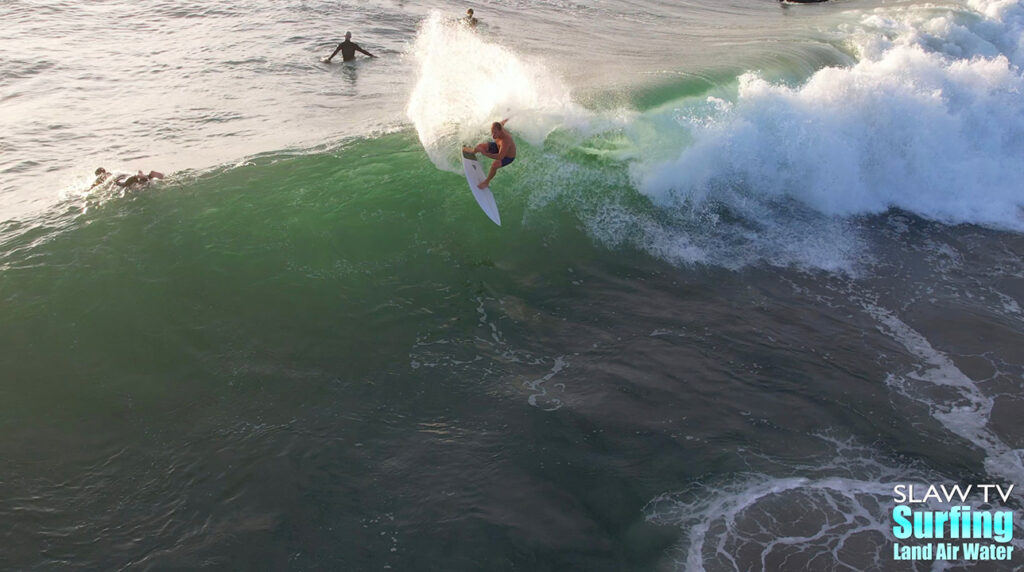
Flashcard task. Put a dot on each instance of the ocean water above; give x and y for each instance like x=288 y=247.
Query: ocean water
x=759 y=263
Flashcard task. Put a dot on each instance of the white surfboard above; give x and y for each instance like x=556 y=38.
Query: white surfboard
x=474 y=175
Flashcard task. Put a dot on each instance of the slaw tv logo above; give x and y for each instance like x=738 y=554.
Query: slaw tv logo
x=958 y=531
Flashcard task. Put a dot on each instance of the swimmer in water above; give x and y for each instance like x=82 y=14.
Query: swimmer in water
x=348 y=50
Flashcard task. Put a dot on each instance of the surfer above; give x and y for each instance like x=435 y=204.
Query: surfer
x=348 y=50
x=469 y=20
x=502 y=150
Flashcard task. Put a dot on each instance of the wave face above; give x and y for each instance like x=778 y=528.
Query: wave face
x=737 y=296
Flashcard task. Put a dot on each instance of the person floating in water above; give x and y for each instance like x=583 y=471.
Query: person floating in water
x=135 y=181
x=502 y=150
x=348 y=50
x=469 y=20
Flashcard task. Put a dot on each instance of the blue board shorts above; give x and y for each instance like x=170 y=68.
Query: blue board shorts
x=492 y=147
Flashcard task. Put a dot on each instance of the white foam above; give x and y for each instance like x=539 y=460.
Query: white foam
x=465 y=82
x=929 y=120
x=779 y=237
x=540 y=398
x=835 y=515
x=839 y=501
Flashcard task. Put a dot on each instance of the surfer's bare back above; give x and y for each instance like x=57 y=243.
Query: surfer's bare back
x=502 y=150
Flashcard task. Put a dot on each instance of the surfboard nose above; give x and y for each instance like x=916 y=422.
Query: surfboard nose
x=484 y=197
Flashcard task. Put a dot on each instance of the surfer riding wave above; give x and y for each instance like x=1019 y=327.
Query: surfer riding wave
x=502 y=149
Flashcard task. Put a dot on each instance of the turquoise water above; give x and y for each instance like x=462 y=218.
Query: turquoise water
x=750 y=275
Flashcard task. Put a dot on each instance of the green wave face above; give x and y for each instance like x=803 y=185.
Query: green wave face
x=323 y=262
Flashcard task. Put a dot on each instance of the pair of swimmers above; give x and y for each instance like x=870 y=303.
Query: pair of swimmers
x=126 y=181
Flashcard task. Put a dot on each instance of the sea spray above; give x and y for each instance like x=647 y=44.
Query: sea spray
x=466 y=80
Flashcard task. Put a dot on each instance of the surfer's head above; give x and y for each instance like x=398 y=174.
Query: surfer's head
x=496 y=128
x=100 y=171
x=348 y=35
x=469 y=12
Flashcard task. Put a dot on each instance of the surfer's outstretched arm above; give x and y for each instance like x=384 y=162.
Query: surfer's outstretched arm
x=366 y=52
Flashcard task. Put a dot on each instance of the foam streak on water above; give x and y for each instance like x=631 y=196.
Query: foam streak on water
x=838 y=521
x=966 y=413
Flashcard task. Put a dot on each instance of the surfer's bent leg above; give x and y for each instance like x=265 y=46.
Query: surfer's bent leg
x=488 y=149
